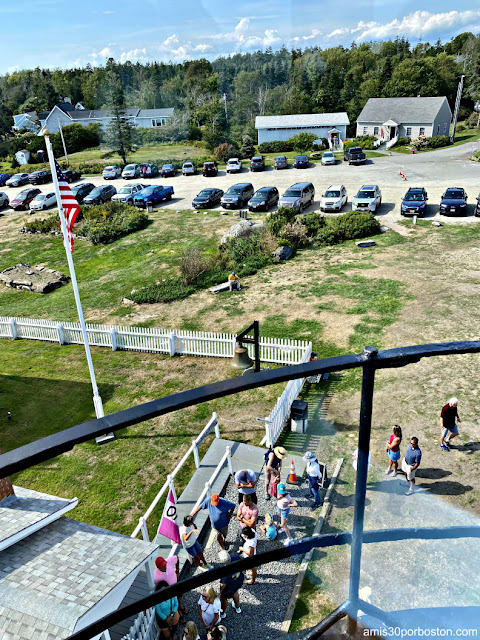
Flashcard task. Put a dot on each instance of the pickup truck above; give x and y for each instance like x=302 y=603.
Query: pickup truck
x=152 y=195
x=354 y=155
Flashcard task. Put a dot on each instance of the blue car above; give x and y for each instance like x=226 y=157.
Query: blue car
x=414 y=202
x=3 y=178
x=454 y=202
x=152 y=195
x=301 y=162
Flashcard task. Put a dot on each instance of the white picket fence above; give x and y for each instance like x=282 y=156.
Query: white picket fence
x=144 y=627
x=195 y=343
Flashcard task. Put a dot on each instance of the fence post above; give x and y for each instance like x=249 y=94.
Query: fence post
x=60 y=334
x=143 y=529
x=113 y=336
x=171 y=344
x=229 y=460
x=217 y=426
x=196 y=457
x=13 y=328
x=207 y=487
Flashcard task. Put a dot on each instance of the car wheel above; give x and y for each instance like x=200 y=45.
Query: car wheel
x=169 y=197
x=44 y=207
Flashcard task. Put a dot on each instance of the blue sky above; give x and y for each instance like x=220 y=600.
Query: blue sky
x=63 y=33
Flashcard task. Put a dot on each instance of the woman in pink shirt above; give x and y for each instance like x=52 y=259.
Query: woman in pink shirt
x=393 y=450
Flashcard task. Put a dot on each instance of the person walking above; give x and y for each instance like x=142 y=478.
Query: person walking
x=314 y=478
x=393 y=450
x=229 y=586
x=188 y=536
x=246 y=482
x=220 y=511
x=190 y=631
x=209 y=608
x=284 y=503
x=411 y=462
x=273 y=467
x=247 y=514
x=249 y=548
x=448 y=422
x=166 y=614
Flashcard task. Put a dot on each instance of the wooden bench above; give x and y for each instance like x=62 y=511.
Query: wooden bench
x=221 y=287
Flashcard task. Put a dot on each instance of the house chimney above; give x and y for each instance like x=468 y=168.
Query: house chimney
x=6 y=488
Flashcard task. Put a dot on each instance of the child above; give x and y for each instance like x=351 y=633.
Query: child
x=249 y=548
x=188 y=535
x=270 y=527
x=393 y=450
x=284 y=503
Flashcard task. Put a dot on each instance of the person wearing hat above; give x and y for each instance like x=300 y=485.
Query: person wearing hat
x=220 y=512
x=273 y=467
x=284 y=504
x=233 y=281
x=314 y=477
x=270 y=527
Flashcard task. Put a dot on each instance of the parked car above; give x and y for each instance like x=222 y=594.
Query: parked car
x=264 y=198
x=207 y=198
x=152 y=195
x=43 y=201
x=3 y=178
x=23 y=199
x=189 y=169
x=4 y=201
x=414 y=202
x=237 y=195
x=334 y=198
x=81 y=191
x=17 y=180
x=454 y=202
x=257 y=163
x=168 y=171
x=280 y=162
x=328 y=157
x=368 y=198
x=99 y=195
x=354 y=155
x=71 y=175
x=40 y=177
x=299 y=196
x=234 y=165
x=131 y=172
x=148 y=170
x=301 y=162
x=111 y=172
x=477 y=208
x=127 y=193
x=210 y=168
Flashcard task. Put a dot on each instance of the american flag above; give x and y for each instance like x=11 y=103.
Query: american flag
x=70 y=206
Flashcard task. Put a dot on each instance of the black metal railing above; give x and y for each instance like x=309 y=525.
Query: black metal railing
x=370 y=360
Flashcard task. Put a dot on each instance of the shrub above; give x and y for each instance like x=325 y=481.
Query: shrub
x=246 y=255
x=348 y=226
x=436 y=142
x=403 y=142
x=420 y=143
x=302 y=142
x=278 y=219
x=247 y=149
x=313 y=222
x=106 y=223
x=45 y=225
x=166 y=291
x=366 y=142
x=192 y=265
x=473 y=120
x=275 y=146
x=224 y=151
x=461 y=126
x=296 y=234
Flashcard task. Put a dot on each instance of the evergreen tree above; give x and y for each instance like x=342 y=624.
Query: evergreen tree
x=247 y=150
x=119 y=131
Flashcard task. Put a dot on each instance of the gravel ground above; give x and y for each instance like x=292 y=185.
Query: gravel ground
x=263 y=604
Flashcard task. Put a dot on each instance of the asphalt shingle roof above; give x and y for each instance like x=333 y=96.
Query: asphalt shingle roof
x=401 y=110
x=302 y=120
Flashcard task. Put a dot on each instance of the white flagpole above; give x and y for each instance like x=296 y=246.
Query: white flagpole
x=97 y=400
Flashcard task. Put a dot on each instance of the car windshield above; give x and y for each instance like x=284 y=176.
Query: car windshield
x=209 y=165
x=125 y=190
x=280 y=159
x=147 y=192
x=109 y=169
x=302 y=158
x=40 y=197
x=168 y=166
x=292 y=193
x=328 y=154
x=234 y=191
x=366 y=194
x=97 y=191
x=414 y=197
x=355 y=150
x=257 y=159
x=233 y=161
x=130 y=167
x=188 y=165
x=332 y=194
x=261 y=193
x=21 y=196
x=205 y=193
x=454 y=194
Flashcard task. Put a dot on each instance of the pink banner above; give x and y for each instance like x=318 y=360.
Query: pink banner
x=169 y=523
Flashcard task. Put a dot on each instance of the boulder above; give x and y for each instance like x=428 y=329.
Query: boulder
x=38 y=279
x=242 y=229
x=283 y=252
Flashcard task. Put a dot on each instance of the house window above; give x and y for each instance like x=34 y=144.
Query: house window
x=375 y=131
x=409 y=132
x=365 y=131
x=158 y=123
x=438 y=129
x=422 y=131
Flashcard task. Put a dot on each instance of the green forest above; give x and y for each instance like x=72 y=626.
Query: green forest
x=217 y=101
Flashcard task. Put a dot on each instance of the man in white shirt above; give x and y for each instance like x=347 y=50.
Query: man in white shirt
x=314 y=477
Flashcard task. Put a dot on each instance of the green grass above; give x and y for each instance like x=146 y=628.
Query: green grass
x=146 y=153
x=461 y=137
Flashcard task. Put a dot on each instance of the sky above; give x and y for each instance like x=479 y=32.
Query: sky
x=68 y=33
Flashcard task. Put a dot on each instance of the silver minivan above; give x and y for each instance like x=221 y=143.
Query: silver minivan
x=131 y=171
x=189 y=169
x=299 y=196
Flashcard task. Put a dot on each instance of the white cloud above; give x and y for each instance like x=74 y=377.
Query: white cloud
x=202 y=47
x=133 y=55
x=108 y=13
x=170 y=41
x=14 y=68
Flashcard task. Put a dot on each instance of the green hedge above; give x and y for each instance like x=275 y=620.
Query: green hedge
x=366 y=142
x=435 y=142
x=275 y=146
x=349 y=226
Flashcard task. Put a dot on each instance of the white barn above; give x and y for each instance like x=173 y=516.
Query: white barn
x=323 y=125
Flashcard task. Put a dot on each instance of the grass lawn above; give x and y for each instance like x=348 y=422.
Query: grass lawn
x=461 y=137
x=148 y=153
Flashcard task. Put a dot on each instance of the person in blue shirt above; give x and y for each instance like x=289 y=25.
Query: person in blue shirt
x=166 y=614
x=411 y=462
x=220 y=512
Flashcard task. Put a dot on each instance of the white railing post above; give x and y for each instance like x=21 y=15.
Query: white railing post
x=60 y=334
x=171 y=344
x=207 y=489
x=217 y=426
x=196 y=457
x=143 y=529
x=113 y=337
x=229 y=460
x=13 y=328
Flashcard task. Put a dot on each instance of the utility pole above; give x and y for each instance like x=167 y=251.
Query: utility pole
x=225 y=103
x=63 y=142
x=457 y=107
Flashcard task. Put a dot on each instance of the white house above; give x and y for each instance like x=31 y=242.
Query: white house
x=388 y=118
x=323 y=125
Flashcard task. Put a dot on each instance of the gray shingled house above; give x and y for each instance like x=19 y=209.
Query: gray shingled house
x=58 y=575
x=387 y=118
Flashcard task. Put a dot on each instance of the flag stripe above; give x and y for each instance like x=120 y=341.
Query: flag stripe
x=70 y=206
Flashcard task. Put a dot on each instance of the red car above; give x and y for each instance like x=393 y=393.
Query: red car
x=23 y=199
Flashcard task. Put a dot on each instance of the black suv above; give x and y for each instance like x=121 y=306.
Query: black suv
x=210 y=168
x=454 y=202
x=264 y=198
x=237 y=195
x=40 y=177
x=81 y=191
x=414 y=202
x=354 y=155
x=99 y=195
x=257 y=163
x=71 y=175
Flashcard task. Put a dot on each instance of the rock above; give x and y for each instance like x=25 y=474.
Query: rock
x=383 y=229
x=35 y=279
x=242 y=229
x=282 y=253
x=366 y=243
x=127 y=301
x=435 y=223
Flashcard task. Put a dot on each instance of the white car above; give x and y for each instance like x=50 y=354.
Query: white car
x=43 y=201
x=328 y=157
x=112 y=172
x=234 y=165
x=189 y=169
x=4 y=201
x=368 y=198
x=131 y=171
x=126 y=194
x=334 y=198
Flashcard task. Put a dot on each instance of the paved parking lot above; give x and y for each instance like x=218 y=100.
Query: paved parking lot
x=435 y=171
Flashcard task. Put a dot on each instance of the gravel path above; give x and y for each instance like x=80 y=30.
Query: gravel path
x=263 y=604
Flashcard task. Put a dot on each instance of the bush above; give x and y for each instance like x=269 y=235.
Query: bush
x=246 y=255
x=166 y=291
x=47 y=225
x=435 y=142
x=296 y=234
x=461 y=126
x=473 y=120
x=275 y=146
x=348 y=226
x=302 y=142
x=224 y=151
x=278 y=219
x=403 y=142
x=366 y=142
x=247 y=149
x=192 y=265
x=313 y=222
x=106 y=223
x=420 y=143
